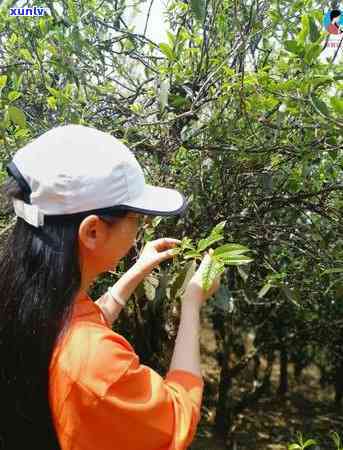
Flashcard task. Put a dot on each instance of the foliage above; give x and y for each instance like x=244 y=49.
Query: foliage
x=237 y=110
x=224 y=255
x=301 y=444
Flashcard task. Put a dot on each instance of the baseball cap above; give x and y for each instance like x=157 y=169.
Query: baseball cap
x=75 y=169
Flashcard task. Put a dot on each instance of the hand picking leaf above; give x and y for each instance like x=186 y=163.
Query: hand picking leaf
x=229 y=254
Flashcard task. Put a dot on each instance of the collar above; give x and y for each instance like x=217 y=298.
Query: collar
x=84 y=307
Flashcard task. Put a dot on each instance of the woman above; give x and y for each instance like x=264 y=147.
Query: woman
x=68 y=381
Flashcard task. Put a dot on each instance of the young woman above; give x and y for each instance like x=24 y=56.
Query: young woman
x=67 y=380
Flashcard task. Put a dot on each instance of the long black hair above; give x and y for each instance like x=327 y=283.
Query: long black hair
x=38 y=285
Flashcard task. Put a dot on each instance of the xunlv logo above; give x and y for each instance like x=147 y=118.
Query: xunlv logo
x=35 y=11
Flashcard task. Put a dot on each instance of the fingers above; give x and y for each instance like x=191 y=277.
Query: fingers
x=164 y=243
x=167 y=254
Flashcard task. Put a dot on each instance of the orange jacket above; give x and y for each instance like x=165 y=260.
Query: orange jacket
x=102 y=398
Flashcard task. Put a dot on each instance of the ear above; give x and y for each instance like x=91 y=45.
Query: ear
x=92 y=232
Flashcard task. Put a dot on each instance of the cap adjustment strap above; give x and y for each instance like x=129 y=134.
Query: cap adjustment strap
x=30 y=213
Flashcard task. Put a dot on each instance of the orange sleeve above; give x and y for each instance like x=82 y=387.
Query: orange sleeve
x=122 y=404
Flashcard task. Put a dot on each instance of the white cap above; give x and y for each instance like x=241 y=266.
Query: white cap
x=73 y=168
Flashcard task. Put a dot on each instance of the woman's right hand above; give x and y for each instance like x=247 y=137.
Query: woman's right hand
x=194 y=293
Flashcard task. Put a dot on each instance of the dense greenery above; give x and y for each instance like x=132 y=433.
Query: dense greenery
x=238 y=110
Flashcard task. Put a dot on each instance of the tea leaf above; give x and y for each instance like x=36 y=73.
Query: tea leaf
x=17 y=116
x=230 y=248
x=211 y=271
x=234 y=260
x=204 y=243
x=264 y=290
x=218 y=229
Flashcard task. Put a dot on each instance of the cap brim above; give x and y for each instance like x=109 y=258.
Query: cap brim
x=158 y=201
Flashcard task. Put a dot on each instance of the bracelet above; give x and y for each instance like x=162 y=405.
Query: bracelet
x=116 y=298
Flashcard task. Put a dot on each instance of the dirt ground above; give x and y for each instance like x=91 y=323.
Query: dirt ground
x=272 y=422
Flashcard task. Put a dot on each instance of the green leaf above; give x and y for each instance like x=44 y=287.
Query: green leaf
x=336 y=439
x=309 y=442
x=187 y=243
x=53 y=91
x=218 y=229
x=234 y=260
x=52 y=102
x=175 y=251
x=320 y=105
x=3 y=81
x=314 y=31
x=294 y=447
x=337 y=104
x=312 y=52
x=264 y=290
x=192 y=254
x=17 y=81
x=177 y=100
x=207 y=242
x=212 y=269
x=14 y=95
x=335 y=270
x=230 y=248
x=242 y=273
x=17 y=116
x=198 y=9
x=42 y=26
x=72 y=11
x=67 y=91
x=171 y=38
x=305 y=28
x=23 y=133
x=331 y=286
x=289 y=294
x=25 y=54
x=6 y=122
x=293 y=46
x=167 y=50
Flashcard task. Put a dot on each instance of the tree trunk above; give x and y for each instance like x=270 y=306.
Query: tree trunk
x=339 y=385
x=283 y=386
x=267 y=384
x=223 y=416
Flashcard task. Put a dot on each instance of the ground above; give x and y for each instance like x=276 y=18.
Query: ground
x=273 y=422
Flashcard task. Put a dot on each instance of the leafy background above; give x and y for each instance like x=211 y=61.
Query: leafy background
x=239 y=110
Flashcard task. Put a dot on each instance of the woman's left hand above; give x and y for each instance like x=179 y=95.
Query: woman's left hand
x=153 y=253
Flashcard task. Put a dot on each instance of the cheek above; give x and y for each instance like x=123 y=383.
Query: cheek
x=125 y=240
x=131 y=234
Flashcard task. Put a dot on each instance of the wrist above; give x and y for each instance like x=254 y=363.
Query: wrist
x=138 y=272
x=110 y=308
x=114 y=296
x=192 y=297
x=190 y=303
